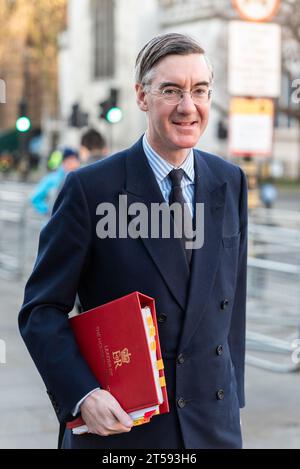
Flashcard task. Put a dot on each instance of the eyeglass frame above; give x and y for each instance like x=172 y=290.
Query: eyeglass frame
x=180 y=94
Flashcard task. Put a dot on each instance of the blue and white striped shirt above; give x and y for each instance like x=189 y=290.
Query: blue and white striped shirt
x=161 y=169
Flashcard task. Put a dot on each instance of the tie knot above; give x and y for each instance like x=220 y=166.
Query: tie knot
x=176 y=176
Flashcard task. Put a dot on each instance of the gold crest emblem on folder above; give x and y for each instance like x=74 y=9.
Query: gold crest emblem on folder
x=120 y=357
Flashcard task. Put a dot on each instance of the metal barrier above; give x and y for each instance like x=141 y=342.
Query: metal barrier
x=13 y=207
x=273 y=307
x=271 y=217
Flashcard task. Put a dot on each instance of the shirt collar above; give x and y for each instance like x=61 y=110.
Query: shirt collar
x=161 y=167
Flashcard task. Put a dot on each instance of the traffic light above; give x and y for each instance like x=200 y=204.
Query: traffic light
x=78 y=118
x=109 y=109
x=23 y=122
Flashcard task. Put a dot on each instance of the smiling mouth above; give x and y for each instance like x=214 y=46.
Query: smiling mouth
x=185 y=124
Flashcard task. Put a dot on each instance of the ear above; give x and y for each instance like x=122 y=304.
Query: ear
x=141 y=97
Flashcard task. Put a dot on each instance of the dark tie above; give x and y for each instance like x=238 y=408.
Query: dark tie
x=176 y=195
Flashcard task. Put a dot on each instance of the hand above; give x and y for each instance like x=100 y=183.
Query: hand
x=103 y=415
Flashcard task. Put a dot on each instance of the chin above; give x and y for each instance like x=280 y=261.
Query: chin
x=186 y=141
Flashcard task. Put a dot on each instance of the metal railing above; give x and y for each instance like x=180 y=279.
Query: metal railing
x=273 y=308
x=13 y=215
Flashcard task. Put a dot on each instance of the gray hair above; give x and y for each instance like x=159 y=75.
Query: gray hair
x=161 y=46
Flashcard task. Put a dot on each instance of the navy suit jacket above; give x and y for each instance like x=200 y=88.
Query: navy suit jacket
x=201 y=312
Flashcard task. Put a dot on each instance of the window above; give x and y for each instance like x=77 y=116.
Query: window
x=103 y=37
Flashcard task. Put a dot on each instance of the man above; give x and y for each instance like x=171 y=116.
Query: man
x=47 y=189
x=92 y=147
x=199 y=293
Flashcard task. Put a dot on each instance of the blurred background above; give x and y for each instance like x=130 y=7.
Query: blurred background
x=66 y=67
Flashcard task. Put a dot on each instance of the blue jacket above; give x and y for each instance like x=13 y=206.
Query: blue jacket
x=46 y=191
x=201 y=314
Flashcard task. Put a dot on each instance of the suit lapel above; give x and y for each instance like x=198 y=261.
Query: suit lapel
x=167 y=254
x=211 y=192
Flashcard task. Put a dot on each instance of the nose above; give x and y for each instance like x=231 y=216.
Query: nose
x=186 y=105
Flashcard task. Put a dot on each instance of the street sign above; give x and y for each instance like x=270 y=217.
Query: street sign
x=256 y=10
x=254 y=66
x=251 y=127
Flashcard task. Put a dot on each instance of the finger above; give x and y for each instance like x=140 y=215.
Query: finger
x=122 y=417
x=124 y=421
x=110 y=431
x=120 y=430
x=117 y=427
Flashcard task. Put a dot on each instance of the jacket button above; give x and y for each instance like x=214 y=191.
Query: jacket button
x=220 y=394
x=180 y=359
x=224 y=304
x=219 y=350
x=181 y=403
x=161 y=318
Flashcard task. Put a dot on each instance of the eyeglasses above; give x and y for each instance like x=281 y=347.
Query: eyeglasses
x=173 y=96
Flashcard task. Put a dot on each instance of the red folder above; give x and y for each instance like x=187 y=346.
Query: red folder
x=113 y=340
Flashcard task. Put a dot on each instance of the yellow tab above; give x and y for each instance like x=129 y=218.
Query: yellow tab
x=139 y=421
x=153 y=345
x=149 y=321
x=160 y=364
x=152 y=331
x=162 y=381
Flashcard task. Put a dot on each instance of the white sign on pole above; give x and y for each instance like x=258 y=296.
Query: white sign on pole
x=254 y=67
x=251 y=127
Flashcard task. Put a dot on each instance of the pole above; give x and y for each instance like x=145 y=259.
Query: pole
x=298 y=175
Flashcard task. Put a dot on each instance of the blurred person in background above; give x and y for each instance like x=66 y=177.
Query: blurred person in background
x=92 y=147
x=47 y=189
x=200 y=293
x=55 y=159
x=268 y=194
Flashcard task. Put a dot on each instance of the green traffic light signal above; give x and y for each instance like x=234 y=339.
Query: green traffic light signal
x=114 y=115
x=109 y=109
x=23 y=124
